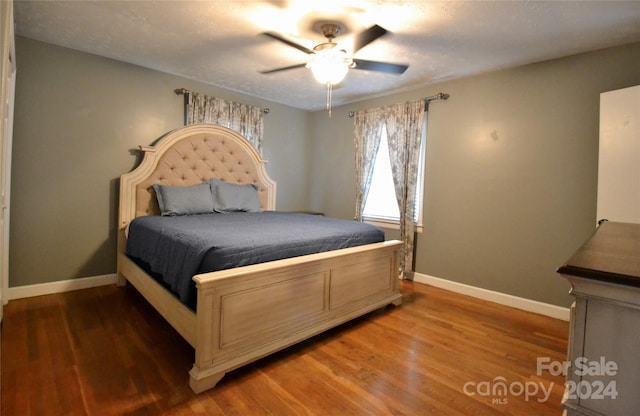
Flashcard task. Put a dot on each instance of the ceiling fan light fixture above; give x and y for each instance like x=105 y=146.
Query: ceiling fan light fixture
x=330 y=66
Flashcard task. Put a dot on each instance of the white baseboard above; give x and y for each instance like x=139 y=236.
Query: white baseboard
x=528 y=305
x=40 y=289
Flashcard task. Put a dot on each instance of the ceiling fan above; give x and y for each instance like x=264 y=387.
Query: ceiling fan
x=329 y=63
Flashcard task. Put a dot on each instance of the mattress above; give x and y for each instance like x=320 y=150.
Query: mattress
x=175 y=248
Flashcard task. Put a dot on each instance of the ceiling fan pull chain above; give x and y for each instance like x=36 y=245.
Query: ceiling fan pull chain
x=329 y=91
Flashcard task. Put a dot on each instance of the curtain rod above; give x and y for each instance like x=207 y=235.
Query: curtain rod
x=427 y=100
x=184 y=91
x=438 y=96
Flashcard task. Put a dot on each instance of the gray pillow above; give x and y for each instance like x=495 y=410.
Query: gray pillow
x=229 y=197
x=184 y=200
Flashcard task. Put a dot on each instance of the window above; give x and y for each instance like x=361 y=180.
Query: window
x=381 y=204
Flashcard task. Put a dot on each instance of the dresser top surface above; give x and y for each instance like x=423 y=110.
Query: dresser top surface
x=611 y=254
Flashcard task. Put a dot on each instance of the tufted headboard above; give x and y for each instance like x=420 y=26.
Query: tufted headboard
x=188 y=156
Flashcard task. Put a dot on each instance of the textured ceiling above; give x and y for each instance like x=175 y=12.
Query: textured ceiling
x=219 y=42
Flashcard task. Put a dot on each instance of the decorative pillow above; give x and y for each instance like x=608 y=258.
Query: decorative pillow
x=229 y=197
x=184 y=200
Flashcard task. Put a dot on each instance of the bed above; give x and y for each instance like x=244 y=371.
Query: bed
x=245 y=313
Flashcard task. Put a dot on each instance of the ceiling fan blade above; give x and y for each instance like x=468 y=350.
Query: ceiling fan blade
x=283 y=68
x=281 y=38
x=367 y=36
x=386 y=67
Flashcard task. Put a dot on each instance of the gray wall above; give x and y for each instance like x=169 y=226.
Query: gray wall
x=511 y=175
x=510 y=178
x=76 y=118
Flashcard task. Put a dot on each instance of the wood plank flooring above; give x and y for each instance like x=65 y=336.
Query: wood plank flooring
x=105 y=351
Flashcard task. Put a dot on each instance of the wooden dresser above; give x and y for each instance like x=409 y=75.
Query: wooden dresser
x=603 y=364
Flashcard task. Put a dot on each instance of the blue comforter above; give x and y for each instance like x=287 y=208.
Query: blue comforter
x=177 y=248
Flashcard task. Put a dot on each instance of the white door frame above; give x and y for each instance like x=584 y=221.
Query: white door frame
x=7 y=95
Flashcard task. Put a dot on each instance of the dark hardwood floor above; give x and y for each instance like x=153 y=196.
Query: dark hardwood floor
x=105 y=351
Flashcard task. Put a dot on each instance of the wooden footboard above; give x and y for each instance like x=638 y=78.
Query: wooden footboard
x=249 y=312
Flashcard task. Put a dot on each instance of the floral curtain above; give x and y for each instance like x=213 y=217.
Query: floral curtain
x=404 y=134
x=367 y=134
x=245 y=119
